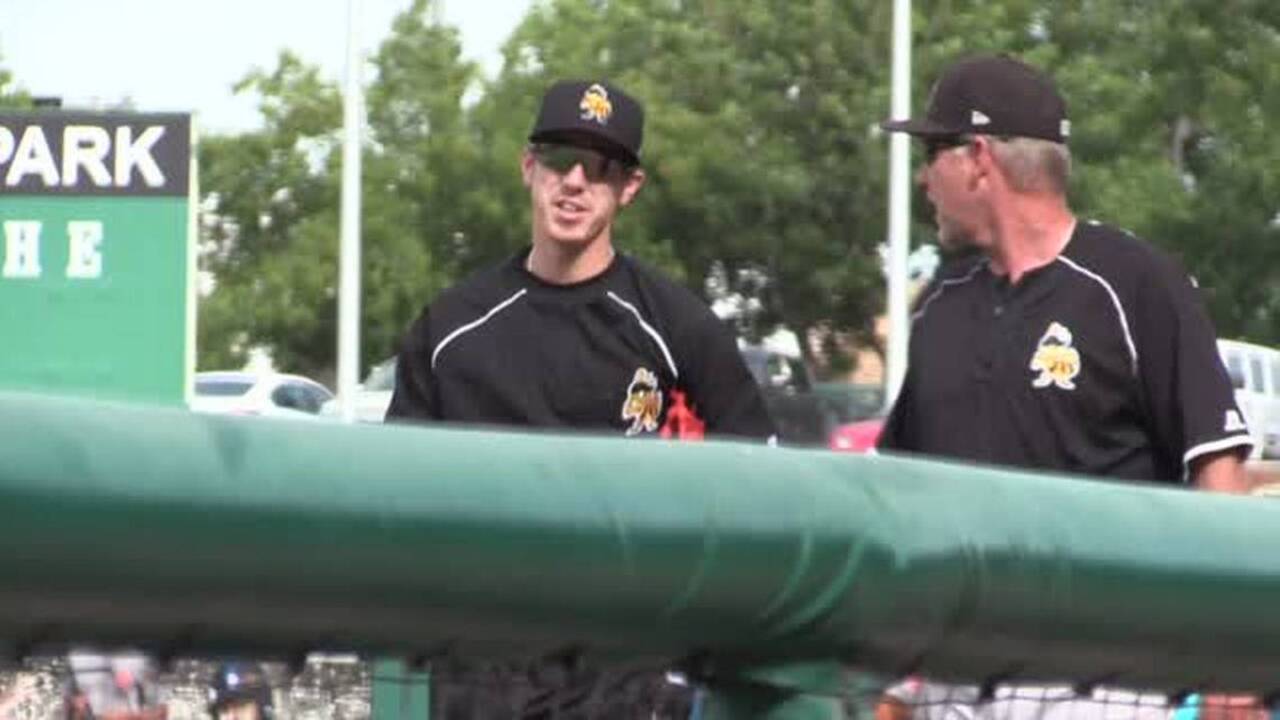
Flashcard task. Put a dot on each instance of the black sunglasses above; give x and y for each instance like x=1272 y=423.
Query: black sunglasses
x=596 y=166
x=935 y=146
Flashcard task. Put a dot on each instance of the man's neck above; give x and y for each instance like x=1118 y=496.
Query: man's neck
x=560 y=264
x=1030 y=235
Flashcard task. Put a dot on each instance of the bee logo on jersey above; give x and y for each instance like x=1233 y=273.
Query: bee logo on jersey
x=1057 y=362
x=643 y=405
x=595 y=104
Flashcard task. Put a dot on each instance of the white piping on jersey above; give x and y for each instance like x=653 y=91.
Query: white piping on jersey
x=1214 y=447
x=1115 y=301
x=474 y=324
x=662 y=345
x=943 y=286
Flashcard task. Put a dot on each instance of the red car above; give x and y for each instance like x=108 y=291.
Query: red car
x=856 y=437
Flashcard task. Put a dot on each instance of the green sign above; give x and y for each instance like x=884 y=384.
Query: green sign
x=97 y=254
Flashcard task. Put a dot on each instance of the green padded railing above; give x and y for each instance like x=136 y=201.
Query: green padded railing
x=180 y=532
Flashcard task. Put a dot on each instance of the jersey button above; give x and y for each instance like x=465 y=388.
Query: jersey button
x=983 y=367
x=998 y=310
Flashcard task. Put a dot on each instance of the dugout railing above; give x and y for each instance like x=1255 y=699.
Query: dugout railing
x=764 y=573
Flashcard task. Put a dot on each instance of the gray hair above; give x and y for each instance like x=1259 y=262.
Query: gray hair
x=1033 y=165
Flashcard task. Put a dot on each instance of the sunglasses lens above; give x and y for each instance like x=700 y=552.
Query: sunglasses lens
x=560 y=159
x=936 y=146
x=563 y=158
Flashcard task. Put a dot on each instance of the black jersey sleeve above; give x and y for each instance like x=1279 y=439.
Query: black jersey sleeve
x=1190 y=401
x=414 y=396
x=724 y=393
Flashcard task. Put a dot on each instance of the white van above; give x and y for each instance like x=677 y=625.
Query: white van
x=1255 y=374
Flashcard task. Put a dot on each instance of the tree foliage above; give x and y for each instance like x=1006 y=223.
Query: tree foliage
x=767 y=173
x=763 y=170
x=11 y=96
x=269 y=225
x=1169 y=104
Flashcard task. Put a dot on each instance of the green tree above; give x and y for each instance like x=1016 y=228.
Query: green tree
x=424 y=175
x=767 y=173
x=1169 y=103
x=1213 y=74
x=763 y=172
x=11 y=96
x=268 y=230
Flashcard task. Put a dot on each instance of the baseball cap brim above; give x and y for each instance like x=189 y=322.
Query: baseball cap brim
x=919 y=128
x=580 y=138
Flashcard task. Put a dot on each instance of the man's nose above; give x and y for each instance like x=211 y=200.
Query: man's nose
x=576 y=177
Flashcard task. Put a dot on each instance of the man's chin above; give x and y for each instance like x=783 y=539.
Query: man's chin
x=950 y=239
x=574 y=236
x=568 y=240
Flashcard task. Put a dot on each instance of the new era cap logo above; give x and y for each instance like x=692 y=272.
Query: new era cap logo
x=977 y=117
x=595 y=104
x=1233 y=422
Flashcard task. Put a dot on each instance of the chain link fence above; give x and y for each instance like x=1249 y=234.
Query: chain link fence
x=129 y=686
x=340 y=688
x=132 y=687
x=920 y=699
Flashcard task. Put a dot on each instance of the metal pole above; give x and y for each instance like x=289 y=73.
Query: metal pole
x=899 y=204
x=349 y=261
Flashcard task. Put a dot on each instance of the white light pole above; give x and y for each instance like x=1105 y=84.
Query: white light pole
x=349 y=256
x=899 y=204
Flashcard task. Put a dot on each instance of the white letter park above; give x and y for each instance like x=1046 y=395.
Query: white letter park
x=95 y=254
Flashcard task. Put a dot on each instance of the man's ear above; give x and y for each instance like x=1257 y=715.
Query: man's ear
x=631 y=187
x=982 y=160
x=527 y=163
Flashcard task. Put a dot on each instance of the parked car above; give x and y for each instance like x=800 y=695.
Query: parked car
x=372 y=396
x=802 y=416
x=1255 y=375
x=266 y=394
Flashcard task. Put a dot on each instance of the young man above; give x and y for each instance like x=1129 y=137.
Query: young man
x=570 y=333
x=1061 y=345
x=1068 y=346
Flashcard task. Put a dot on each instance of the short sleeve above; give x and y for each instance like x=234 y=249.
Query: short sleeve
x=723 y=392
x=1188 y=395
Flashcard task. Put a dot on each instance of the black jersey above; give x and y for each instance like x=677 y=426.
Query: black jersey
x=616 y=352
x=1103 y=362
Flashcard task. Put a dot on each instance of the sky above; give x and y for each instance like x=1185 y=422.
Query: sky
x=185 y=55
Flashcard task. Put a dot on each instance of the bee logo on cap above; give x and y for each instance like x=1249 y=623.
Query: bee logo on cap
x=595 y=104
x=1055 y=359
x=643 y=405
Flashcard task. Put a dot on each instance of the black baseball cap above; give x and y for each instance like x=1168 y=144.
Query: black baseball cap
x=592 y=113
x=991 y=95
